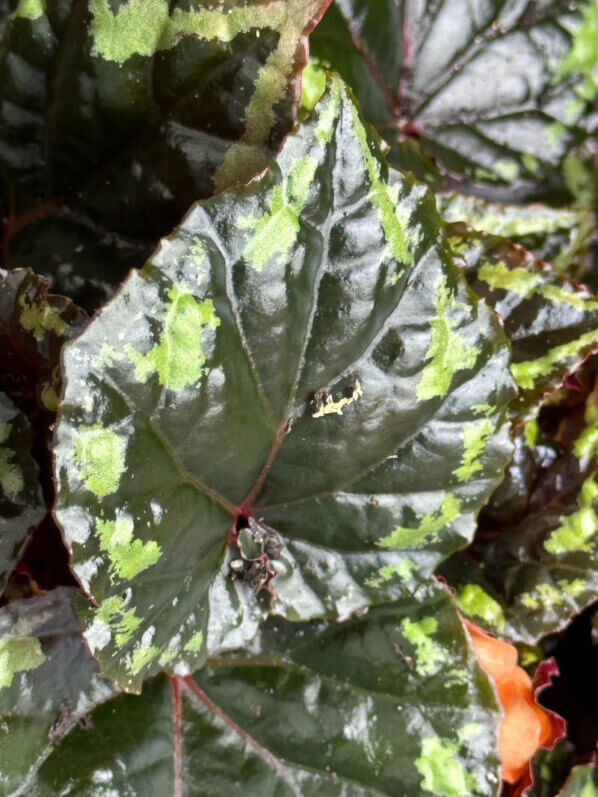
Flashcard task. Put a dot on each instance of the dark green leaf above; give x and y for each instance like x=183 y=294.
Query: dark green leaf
x=34 y=325
x=497 y=92
x=390 y=703
x=551 y=322
x=21 y=505
x=542 y=567
x=300 y=352
x=115 y=117
x=47 y=684
x=559 y=236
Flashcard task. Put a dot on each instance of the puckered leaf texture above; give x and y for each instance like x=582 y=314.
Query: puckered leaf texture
x=539 y=565
x=550 y=321
x=48 y=684
x=115 y=117
x=497 y=92
x=21 y=504
x=296 y=397
x=393 y=702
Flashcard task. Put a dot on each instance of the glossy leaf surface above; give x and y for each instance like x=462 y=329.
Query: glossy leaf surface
x=34 y=325
x=300 y=353
x=48 y=684
x=540 y=566
x=496 y=92
x=115 y=117
x=551 y=322
x=309 y=710
x=21 y=504
x=558 y=236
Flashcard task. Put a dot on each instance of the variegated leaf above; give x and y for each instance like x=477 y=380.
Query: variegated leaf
x=297 y=393
x=496 y=92
x=309 y=710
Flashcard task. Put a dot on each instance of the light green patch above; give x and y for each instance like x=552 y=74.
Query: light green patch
x=195 y=643
x=475 y=437
x=18 y=654
x=586 y=445
x=135 y=29
x=582 y=58
x=530 y=161
x=482 y=409
x=525 y=373
x=49 y=397
x=544 y=595
x=30 y=9
x=482 y=173
x=39 y=318
x=167 y=657
x=332 y=407
x=384 y=198
x=560 y=295
x=429 y=655
x=328 y=113
x=275 y=233
x=313 y=84
x=403 y=570
x=442 y=772
x=554 y=133
x=580 y=179
x=530 y=432
x=588 y=790
x=427 y=531
x=507 y=170
x=289 y=18
x=447 y=353
x=128 y=557
x=498 y=276
x=141 y=657
x=573 y=588
x=5 y=428
x=474 y=601
x=468 y=731
x=178 y=358
x=100 y=456
x=576 y=530
x=124 y=622
x=108 y=356
x=11 y=477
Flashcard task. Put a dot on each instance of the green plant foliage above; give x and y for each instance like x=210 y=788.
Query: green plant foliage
x=115 y=117
x=559 y=236
x=340 y=349
x=290 y=716
x=551 y=322
x=21 y=505
x=527 y=580
x=48 y=684
x=498 y=93
x=238 y=372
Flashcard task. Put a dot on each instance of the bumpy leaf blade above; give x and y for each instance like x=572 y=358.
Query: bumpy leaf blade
x=551 y=322
x=21 y=504
x=48 y=682
x=497 y=92
x=391 y=703
x=34 y=325
x=115 y=117
x=542 y=567
x=559 y=236
x=291 y=355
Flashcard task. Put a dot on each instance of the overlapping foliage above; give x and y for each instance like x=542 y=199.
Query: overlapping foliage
x=326 y=387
